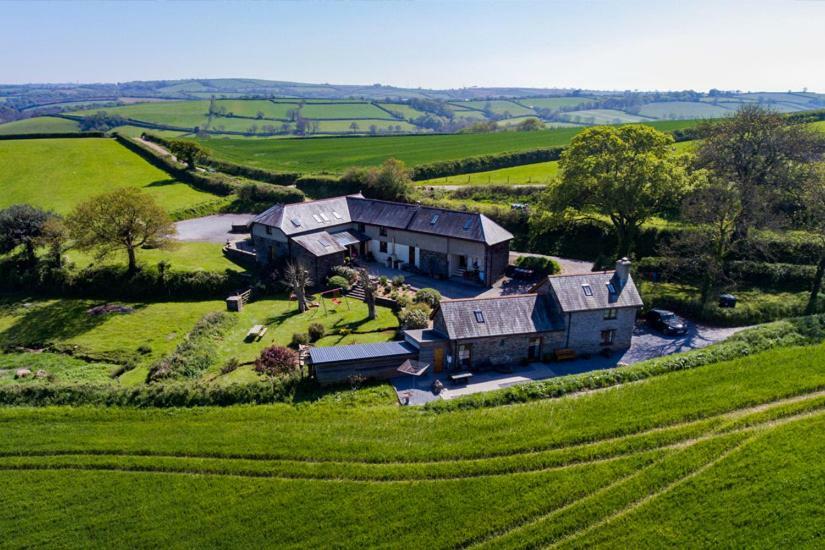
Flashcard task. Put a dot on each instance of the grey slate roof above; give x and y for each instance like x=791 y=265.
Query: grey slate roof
x=325 y=214
x=571 y=296
x=356 y=352
x=347 y=238
x=503 y=315
x=319 y=244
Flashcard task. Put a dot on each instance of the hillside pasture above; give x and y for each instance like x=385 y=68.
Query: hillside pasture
x=321 y=111
x=405 y=110
x=554 y=103
x=498 y=107
x=57 y=174
x=40 y=125
x=251 y=107
x=684 y=459
x=526 y=174
x=181 y=114
x=602 y=116
x=683 y=109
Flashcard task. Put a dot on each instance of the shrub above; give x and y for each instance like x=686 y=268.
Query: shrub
x=196 y=353
x=540 y=264
x=231 y=365
x=397 y=281
x=382 y=280
x=337 y=281
x=401 y=299
x=299 y=339
x=277 y=361
x=316 y=331
x=344 y=331
x=143 y=349
x=349 y=273
x=415 y=316
x=429 y=296
x=484 y=163
x=257 y=192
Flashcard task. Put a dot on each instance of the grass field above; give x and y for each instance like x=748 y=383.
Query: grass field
x=498 y=107
x=603 y=116
x=59 y=173
x=183 y=114
x=540 y=172
x=684 y=109
x=554 y=102
x=182 y=256
x=338 y=154
x=721 y=455
x=41 y=124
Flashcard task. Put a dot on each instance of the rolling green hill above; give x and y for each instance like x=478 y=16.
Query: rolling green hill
x=718 y=455
x=37 y=125
x=59 y=173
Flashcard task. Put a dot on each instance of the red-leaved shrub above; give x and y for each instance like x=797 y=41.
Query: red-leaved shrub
x=276 y=360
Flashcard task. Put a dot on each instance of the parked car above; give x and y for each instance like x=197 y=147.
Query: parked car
x=666 y=322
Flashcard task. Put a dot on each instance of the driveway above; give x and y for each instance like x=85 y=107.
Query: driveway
x=211 y=229
x=646 y=345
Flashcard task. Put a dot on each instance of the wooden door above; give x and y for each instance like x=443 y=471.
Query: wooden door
x=438 y=359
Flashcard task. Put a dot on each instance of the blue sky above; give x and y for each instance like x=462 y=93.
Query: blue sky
x=699 y=44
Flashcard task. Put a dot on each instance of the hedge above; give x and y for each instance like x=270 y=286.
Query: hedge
x=483 y=163
x=321 y=187
x=799 y=331
x=258 y=174
x=54 y=135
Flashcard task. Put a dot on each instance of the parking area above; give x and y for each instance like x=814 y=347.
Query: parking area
x=211 y=229
x=647 y=344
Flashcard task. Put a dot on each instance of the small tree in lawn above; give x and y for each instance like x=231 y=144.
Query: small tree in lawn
x=22 y=225
x=125 y=219
x=277 y=361
x=297 y=279
x=188 y=152
x=369 y=291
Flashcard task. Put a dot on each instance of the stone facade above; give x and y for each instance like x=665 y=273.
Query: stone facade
x=433 y=263
x=319 y=266
x=498 y=260
x=584 y=330
x=505 y=350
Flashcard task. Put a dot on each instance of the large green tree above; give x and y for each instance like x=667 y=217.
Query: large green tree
x=125 y=219
x=626 y=174
x=188 y=152
x=22 y=225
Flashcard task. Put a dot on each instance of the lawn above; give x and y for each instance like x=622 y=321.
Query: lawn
x=57 y=174
x=713 y=456
x=41 y=124
x=182 y=256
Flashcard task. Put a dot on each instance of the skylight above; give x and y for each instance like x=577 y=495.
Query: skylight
x=296 y=222
x=336 y=214
x=326 y=218
x=468 y=223
x=434 y=219
x=479 y=316
x=323 y=243
x=317 y=218
x=588 y=291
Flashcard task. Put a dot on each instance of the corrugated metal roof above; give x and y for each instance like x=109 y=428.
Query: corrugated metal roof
x=355 y=352
x=299 y=218
x=500 y=316
x=572 y=291
x=319 y=244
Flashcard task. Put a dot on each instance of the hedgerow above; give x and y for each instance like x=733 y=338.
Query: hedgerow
x=791 y=332
x=196 y=353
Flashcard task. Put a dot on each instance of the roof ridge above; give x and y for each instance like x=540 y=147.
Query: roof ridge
x=605 y=272
x=480 y=298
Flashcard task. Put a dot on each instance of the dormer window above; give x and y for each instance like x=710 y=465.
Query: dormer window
x=479 y=315
x=588 y=290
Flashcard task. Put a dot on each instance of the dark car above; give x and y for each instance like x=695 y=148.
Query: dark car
x=666 y=321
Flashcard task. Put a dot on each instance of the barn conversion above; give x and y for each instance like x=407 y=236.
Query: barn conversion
x=434 y=241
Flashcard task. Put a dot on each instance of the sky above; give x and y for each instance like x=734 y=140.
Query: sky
x=608 y=45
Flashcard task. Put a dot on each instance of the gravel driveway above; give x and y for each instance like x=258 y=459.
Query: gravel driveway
x=211 y=229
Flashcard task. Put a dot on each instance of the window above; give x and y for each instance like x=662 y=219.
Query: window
x=464 y=355
x=382 y=246
x=382 y=231
x=610 y=313
x=296 y=222
x=268 y=230
x=608 y=336
x=323 y=243
x=434 y=219
x=336 y=214
x=479 y=316
x=324 y=217
x=588 y=291
x=468 y=223
x=361 y=227
x=317 y=218
x=534 y=347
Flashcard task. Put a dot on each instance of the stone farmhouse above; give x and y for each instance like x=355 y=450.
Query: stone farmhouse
x=563 y=316
x=434 y=241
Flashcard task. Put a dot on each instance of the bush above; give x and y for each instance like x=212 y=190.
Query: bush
x=231 y=365
x=429 y=296
x=349 y=273
x=316 y=331
x=382 y=280
x=541 y=265
x=195 y=354
x=397 y=281
x=277 y=361
x=143 y=349
x=275 y=194
x=790 y=332
x=321 y=187
x=299 y=339
x=415 y=316
x=337 y=281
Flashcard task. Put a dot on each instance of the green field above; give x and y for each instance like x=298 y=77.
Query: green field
x=554 y=102
x=338 y=154
x=182 y=256
x=137 y=131
x=683 y=109
x=405 y=110
x=725 y=455
x=57 y=174
x=251 y=107
x=602 y=116
x=37 y=125
x=343 y=110
x=540 y=172
x=498 y=107
x=182 y=114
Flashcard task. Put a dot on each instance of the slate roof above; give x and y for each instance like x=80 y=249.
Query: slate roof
x=572 y=297
x=306 y=217
x=358 y=352
x=347 y=238
x=502 y=316
x=319 y=244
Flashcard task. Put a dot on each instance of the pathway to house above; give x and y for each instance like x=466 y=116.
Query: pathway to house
x=646 y=345
x=211 y=229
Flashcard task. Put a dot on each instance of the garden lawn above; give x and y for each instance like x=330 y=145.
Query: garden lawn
x=41 y=124
x=57 y=174
x=182 y=256
x=705 y=457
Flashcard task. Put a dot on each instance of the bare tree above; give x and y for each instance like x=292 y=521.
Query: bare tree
x=369 y=287
x=297 y=278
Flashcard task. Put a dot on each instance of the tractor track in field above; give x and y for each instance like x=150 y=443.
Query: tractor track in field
x=391 y=477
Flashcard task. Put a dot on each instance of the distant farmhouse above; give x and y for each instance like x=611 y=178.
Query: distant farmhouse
x=564 y=316
x=437 y=242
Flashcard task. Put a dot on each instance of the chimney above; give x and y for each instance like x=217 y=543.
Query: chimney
x=622 y=271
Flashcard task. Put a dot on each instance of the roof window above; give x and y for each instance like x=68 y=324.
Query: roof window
x=588 y=291
x=468 y=223
x=434 y=219
x=479 y=316
x=336 y=214
x=317 y=218
x=325 y=217
x=323 y=243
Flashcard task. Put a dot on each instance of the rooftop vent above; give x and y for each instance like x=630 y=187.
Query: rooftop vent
x=479 y=316
x=588 y=291
x=611 y=289
x=296 y=222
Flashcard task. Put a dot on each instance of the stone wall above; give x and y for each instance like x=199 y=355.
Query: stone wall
x=585 y=329
x=506 y=350
x=499 y=258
